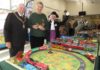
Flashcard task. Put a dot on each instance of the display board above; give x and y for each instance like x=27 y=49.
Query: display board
x=2 y=41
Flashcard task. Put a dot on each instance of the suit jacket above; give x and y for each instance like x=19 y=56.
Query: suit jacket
x=15 y=29
x=69 y=29
x=57 y=25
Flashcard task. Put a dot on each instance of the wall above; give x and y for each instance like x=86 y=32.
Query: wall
x=72 y=7
x=90 y=8
x=59 y=5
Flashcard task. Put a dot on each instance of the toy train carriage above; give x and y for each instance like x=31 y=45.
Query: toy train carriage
x=55 y=46
x=66 y=45
x=73 y=47
x=39 y=65
x=27 y=66
x=19 y=56
x=30 y=67
x=90 y=56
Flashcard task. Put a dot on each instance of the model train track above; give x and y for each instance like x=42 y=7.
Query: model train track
x=82 y=63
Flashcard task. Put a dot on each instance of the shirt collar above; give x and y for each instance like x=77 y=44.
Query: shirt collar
x=20 y=14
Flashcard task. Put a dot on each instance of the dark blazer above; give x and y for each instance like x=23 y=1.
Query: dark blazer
x=15 y=29
x=71 y=31
x=57 y=25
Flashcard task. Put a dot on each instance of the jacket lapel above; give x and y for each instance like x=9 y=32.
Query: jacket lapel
x=22 y=19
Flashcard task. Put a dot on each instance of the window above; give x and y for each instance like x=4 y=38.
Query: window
x=5 y=4
x=5 y=7
x=3 y=15
x=15 y=3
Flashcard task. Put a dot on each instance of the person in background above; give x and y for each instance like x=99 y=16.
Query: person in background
x=70 y=27
x=65 y=17
x=53 y=25
x=80 y=25
x=38 y=25
x=62 y=30
x=15 y=31
x=98 y=27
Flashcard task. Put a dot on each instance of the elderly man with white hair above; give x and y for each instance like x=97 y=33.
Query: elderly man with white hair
x=15 y=31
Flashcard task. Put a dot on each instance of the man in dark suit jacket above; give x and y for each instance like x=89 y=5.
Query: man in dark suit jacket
x=15 y=31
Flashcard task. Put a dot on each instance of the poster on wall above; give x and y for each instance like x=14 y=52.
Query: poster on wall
x=2 y=41
x=3 y=15
x=29 y=8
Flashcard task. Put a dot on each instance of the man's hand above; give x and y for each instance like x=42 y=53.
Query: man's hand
x=8 y=44
x=35 y=26
x=41 y=27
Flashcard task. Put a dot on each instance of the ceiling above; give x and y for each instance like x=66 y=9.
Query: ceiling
x=88 y=1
